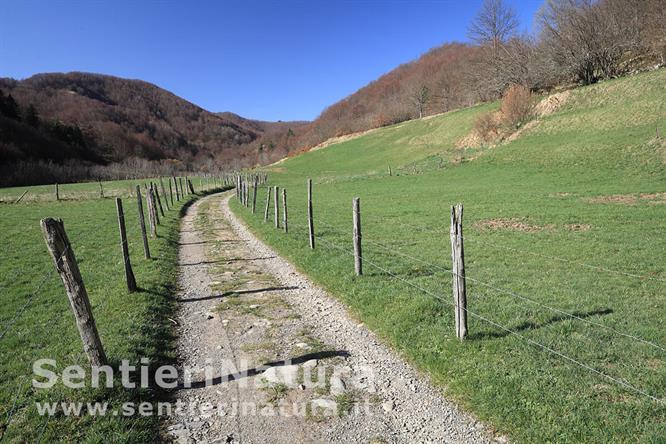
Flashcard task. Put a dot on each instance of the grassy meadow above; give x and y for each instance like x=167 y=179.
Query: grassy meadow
x=567 y=219
x=36 y=320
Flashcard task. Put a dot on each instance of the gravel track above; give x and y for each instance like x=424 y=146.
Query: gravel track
x=273 y=312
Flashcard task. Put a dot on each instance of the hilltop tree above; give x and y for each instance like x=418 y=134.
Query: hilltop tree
x=494 y=26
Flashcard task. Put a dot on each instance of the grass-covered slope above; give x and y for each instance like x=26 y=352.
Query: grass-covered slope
x=569 y=217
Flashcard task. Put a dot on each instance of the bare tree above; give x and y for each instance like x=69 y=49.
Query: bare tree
x=493 y=27
x=494 y=24
x=420 y=97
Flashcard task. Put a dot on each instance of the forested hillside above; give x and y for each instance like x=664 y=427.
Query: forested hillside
x=66 y=127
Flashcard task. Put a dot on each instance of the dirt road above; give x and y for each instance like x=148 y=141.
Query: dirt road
x=285 y=362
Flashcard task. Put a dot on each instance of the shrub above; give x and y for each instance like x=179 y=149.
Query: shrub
x=487 y=126
x=517 y=106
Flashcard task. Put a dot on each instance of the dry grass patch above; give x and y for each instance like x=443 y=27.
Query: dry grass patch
x=629 y=199
x=508 y=224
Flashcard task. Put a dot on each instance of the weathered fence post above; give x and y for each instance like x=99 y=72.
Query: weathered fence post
x=170 y=192
x=310 y=217
x=358 y=254
x=191 y=186
x=458 y=271
x=159 y=201
x=268 y=203
x=180 y=185
x=65 y=262
x=151 y=214
x=153 y=201
x=57 y=192
x=142 y=223
x=284 y=210
x=276 y=199
x=129 y=274
x=254 y=194
x=101 y=190
x=175 y=186
x=166 y=199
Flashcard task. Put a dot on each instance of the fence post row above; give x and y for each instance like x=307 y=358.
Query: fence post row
x=276 y=201
x=65 y=262
x=358 y=255
x=310 y=217
x=142 y=222
x=124 y=248
x=458 y=271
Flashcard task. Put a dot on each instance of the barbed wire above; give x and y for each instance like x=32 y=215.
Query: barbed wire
x=544 y=256
x=551 y=350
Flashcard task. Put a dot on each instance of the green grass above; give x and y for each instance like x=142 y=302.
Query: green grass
x=131 y=326
x=601 y=143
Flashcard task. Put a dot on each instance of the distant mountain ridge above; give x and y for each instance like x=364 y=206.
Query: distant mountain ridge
x=122 y=118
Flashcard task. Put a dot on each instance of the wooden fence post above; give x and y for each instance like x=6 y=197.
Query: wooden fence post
x=254 y=194
x=191 y=186
x=268 y=203
x=65 y=262
x=151 y=214
x=142 y=222
x=170 y=193
x=153 y=201
x=175 y=186
x=166 y=199
x=310 y=217
x=159 y=201
x=284 y=210
x=129 y=274
x=101 y=190
x=358 y=255
x=276 y=199
x=458 y=271
x=180 y=185
x=57 y=192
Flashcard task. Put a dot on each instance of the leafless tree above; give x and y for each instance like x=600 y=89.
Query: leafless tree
x=420 y=97
x=493 y=27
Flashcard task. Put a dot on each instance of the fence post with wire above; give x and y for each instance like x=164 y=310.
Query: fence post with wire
x=65 y=262
x=458 y=271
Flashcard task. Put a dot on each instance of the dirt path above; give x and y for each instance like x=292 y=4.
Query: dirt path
x=312 y=374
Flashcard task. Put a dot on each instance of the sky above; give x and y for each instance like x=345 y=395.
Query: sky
x=268 y=60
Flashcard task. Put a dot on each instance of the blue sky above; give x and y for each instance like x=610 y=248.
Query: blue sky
x=270 y=60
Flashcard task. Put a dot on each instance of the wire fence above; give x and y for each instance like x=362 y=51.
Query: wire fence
x=302 y=230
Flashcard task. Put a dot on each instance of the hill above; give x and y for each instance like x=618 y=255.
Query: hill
x=118 y=119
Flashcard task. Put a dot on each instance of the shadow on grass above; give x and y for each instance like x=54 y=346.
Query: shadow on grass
x=530 y=325
x=262 y=368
